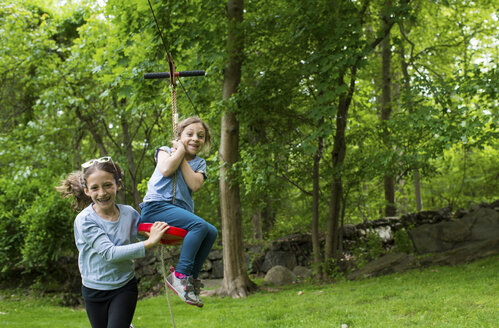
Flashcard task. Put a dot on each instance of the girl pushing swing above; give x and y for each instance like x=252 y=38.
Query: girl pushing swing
x=105 y=234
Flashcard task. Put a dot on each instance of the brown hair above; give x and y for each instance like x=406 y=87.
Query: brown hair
x=74 y=184
x=192 y=120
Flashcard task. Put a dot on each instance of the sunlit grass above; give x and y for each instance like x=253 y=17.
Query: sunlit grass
x=460 y=296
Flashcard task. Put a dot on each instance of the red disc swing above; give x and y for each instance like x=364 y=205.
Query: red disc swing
x=172 y=236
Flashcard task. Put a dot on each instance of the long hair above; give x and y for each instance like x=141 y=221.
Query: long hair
x=75 y=183
x=192 y=120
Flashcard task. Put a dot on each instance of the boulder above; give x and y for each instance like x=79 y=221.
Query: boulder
x=390 y=263
x=485 y=223
x=280 y=275
x=302 y=272
x=384 y=233
x=217 y=269
x=215 y=254
x=440 y=237
x=467 y=253
x=282 y=258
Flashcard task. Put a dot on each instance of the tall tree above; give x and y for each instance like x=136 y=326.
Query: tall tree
x=346 y=76
x=315 y=202
x=236 y=282
x=404 y=65
x=386 y=108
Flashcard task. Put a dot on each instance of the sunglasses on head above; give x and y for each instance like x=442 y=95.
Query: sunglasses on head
x=91 y=162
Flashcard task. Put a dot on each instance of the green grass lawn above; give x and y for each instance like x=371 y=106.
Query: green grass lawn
x=460 y=296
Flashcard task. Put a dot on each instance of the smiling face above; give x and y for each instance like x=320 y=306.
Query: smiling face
x=102 y=188
x=193 y=137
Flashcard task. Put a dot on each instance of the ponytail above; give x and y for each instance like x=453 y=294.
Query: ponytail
x=72 y=187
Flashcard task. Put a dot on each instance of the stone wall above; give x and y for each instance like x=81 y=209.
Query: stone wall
x=450 y=237
x=441 y=239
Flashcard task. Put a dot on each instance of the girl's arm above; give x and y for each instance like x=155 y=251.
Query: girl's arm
x=168 y=163
x=193 y=179
x=93 y=235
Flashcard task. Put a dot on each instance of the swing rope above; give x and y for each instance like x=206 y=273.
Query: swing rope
x=173 y=88
x=163 y=270
x=172 y=74
x=173 y=85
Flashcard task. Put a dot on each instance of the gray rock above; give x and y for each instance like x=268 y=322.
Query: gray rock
x=207 y=265
x=426 y=239
x=390 y=263
x=302 y=272
x=215 y=254
x=486 y=224
x=273 y=258
x=217 y=269
x=349 y=231
x=385 y=233
x=464 y=254
x=280 y=275
x=453 y=231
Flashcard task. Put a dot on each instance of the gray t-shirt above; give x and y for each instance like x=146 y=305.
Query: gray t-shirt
x=160 y=188
x=107 y=249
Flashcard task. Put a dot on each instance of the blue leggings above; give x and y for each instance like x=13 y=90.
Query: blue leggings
x=197 y=243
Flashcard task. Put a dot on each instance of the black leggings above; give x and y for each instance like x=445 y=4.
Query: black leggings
x=111 y=309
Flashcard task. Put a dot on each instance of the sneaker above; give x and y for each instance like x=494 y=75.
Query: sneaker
x=197 y=284
x=183 y=288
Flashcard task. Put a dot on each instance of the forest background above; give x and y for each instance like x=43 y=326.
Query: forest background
x=322 y=112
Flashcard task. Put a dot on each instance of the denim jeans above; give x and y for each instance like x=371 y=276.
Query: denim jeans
x=197 y=243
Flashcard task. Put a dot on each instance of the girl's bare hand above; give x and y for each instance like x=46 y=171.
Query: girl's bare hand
x=157 y=231
x=177 y=145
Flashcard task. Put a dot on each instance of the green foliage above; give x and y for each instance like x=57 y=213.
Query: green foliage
x=402 y=241
x=368 y=248
x=48 y=223
x=36 y=227
x=474 y=174
x=12 y=205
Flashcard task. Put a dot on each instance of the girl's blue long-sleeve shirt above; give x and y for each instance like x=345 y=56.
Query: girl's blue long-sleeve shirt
x=106 y=248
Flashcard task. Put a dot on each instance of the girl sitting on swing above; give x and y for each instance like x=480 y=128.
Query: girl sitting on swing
x=178 y=173
x=105 y=234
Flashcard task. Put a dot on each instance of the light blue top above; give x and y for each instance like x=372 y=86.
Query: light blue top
x=160 y=188
x=107 y=248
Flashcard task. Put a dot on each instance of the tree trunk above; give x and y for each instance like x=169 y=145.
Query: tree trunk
x=94 y=131
x=407 y=85
x=315 y=202
x=417 y=190
x=236 y=282
x=268 y=217
x=386 y=109
x=131 y=162
x=338 y=156
x=339 y=147
x=256 y=219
